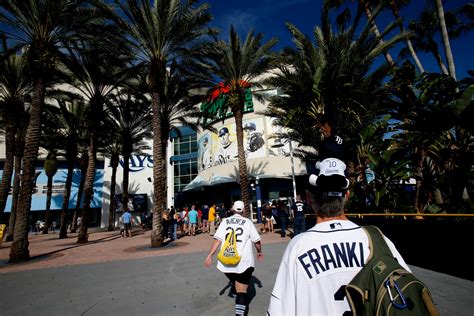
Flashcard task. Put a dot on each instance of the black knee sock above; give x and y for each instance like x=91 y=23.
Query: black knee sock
x=240 y=303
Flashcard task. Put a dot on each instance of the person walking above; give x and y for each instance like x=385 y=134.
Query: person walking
x=182 y=221
x=205 y=218
x=317 y=265
x=283 y=217
x=166 y=224
x=193 y=220
x=174 y=216
x=185 y=222
x=212 y=219
x=267 y=211
x=127 y=221
x=222 y=213
x=239 y=275
x=299 y=209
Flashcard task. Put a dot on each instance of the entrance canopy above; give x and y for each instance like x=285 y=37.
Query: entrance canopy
x=197 y=183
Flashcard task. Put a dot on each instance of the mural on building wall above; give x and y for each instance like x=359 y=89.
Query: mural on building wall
x=278 y=146
x=254 y=138
x=219 y=148
x=205 y=152
x=225 y=148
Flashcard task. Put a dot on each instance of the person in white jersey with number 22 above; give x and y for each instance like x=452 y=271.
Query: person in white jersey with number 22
x=247 y=235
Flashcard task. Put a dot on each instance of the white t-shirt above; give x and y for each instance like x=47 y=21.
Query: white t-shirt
x=317 y=265
x=246 y=234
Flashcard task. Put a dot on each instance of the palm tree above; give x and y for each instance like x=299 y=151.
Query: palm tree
x=366 y=7
x=50 y=168
x=179 y=105
x=395 y=6
x=423 y=109
x=83 y=163
x=113 y=152
x=15 y=88
x=68 y=133
x=239 y=65
x=42 y=28
x=331 y=77
x=23 y=116
x=445 y=37
x=20 y=146
x=161 y=33
x=96 y=73
x=424 y=30
x=130 y=118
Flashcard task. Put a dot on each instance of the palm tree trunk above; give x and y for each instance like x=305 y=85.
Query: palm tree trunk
x=19 y=247
x=77 y=209
x=446 y=44
x=83 y=237
x=158 y=170
x=419 y=181
x=376 y=31
x=126 y=176
x=439 y=60
x=80 y=191
x=47 y=217
x=396 y=14
x=67 y=195
x=112 y=197
x=15 y=193
x=244 y=180
x=8 y=166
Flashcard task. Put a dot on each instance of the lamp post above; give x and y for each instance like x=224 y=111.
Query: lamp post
x=255 y=184
x=280 y=144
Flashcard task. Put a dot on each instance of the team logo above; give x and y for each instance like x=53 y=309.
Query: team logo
x=138 y=163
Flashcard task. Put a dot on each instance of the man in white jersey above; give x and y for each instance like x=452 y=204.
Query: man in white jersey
x=319 y=263
x=247 y=235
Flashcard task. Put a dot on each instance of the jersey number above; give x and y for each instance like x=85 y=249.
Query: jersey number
x=237 y=232
x=339 y=296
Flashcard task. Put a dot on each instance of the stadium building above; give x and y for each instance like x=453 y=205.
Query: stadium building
x=202 y=167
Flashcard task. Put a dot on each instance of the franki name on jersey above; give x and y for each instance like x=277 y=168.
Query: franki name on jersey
x=332 y=256
x=235 y=221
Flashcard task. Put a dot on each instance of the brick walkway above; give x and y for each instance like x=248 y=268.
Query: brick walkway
x=48 y=251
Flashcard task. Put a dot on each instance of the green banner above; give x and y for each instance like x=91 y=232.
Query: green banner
x=218 y=109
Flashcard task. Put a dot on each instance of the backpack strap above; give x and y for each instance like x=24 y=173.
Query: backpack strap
x=376 y=241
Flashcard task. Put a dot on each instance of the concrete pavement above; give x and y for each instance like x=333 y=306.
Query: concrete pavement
x=115 y=276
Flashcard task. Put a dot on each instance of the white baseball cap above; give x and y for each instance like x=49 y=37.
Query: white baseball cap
x=238 y=206
x=331 y=175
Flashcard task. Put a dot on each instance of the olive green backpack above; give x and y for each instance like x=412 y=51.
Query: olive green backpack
x=384 y=287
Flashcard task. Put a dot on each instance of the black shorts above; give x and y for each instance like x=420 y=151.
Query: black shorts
x=243 y=278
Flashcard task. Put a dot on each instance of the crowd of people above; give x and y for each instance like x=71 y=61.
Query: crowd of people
x=315 y=265
x=190 y=221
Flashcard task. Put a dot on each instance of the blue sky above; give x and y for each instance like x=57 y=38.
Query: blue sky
x=269 y=17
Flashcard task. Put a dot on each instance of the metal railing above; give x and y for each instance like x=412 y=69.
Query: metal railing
x=362 y=215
